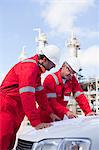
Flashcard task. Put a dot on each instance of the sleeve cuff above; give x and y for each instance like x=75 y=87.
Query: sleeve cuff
x=35 y=123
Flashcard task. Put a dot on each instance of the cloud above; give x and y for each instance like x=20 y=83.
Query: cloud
x=89 y=33
x=61 y=15
x=90 y=56
x=89 y=59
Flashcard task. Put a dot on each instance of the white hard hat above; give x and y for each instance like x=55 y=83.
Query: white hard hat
x=52 y=52
x=73 y=63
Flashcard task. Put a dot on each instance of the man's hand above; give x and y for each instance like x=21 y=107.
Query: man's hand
x=42 y=125
x=91 y=114
x=70 y=115
x=54 y=117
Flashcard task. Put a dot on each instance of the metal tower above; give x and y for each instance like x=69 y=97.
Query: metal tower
x=41 y=40
x=73 y=45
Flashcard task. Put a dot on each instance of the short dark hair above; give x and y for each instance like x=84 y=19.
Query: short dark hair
x=41 y=56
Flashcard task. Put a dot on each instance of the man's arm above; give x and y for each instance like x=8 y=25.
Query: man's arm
x=80 y=97
x=50 y=87
x=27 y=82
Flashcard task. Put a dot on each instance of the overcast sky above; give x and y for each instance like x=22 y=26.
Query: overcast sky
x=57 y=18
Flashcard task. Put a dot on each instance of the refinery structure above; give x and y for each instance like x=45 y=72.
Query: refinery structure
x=89 y=85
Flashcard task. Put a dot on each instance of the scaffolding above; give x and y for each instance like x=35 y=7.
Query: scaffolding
x=91 y=90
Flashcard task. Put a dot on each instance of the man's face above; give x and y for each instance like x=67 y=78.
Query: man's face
x=48 y=64
x=66 y=73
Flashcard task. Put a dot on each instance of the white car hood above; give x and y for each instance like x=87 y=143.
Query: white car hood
x=87 y=127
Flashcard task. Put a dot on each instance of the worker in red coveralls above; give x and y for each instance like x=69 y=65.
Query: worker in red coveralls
x=19 y=92
x=59 y=86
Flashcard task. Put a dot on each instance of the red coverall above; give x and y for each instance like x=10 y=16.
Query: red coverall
x=19 y=92
x=59 y=92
